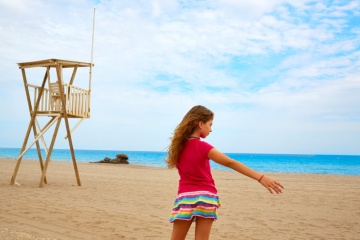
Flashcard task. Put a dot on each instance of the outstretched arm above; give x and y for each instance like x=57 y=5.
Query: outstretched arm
x=224 y=160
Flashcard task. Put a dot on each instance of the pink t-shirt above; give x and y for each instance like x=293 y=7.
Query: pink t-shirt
x=194 y=167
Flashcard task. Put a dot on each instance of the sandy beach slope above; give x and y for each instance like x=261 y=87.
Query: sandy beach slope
x=134 y=202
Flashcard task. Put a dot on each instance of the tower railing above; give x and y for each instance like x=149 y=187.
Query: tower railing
x=77 y=100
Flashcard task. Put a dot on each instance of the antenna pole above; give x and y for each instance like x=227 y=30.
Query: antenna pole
x=91 y=63
x=92 y=51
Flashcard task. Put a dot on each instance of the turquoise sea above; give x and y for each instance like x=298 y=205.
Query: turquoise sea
x=284 y=163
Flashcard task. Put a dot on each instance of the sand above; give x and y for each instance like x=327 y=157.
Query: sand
x=134 y=202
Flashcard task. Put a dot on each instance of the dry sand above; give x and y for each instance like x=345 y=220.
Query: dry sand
x=134 y=202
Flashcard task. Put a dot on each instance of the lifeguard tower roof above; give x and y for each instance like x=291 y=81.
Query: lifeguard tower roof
x=53 y=62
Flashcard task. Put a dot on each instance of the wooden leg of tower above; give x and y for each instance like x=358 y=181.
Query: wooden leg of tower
x=39 y=153
x=49 y=153
x=18 y=162
x=60 y=77
x=72 y=150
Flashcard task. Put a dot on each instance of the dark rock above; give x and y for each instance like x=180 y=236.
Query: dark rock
x=120 y=159
x=122 y=156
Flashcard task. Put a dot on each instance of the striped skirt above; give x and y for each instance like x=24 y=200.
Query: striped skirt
x=189 y=205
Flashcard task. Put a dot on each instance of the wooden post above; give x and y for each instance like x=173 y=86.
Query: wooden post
x=64 y=112
x=49 y=153
x=73 y=75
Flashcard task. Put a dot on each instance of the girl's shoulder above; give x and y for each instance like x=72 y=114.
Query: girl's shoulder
x=205 y=145
x=204 y=142
x=199 y=142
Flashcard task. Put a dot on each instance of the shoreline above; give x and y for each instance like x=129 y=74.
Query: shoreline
x=124 y=201
x=150 y=166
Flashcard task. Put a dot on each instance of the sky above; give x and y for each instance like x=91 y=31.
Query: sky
x=281 y=76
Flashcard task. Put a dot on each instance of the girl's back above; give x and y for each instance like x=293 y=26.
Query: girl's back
x=194 y=167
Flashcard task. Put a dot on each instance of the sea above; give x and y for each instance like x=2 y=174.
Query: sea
x=280 y=163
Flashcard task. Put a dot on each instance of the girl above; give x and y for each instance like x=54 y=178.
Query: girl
x=197 y=198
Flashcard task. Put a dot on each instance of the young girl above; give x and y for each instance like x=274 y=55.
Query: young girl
x=197 y=198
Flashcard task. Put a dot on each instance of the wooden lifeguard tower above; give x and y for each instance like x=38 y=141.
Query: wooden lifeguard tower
x=55 y=99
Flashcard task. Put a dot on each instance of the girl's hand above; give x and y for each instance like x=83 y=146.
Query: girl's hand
x=271 y=185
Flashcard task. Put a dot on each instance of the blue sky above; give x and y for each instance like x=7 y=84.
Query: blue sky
x=282 y=76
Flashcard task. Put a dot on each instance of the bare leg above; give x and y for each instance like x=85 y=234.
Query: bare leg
x=180 y=229
x=202 y=228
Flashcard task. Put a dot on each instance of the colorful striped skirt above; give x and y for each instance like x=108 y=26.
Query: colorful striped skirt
x=189 y=205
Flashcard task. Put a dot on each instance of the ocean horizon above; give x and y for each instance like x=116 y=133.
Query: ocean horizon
x=278 y=163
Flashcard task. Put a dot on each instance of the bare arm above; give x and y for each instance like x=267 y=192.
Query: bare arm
x=224 y=160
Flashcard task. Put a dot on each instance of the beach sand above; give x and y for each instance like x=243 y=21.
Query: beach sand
x=134 y=202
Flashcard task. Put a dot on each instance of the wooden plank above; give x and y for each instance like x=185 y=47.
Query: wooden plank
x=37 y=65
x=18 y=162
x=73 y=75
x=59 y=74
x=46 y=113
x=53 y=63
x=43 y=174
x=35 y=130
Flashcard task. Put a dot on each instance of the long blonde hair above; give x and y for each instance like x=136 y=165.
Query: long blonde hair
x=184 y=130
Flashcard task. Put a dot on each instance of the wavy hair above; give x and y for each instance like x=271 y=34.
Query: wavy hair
x=184 y=130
